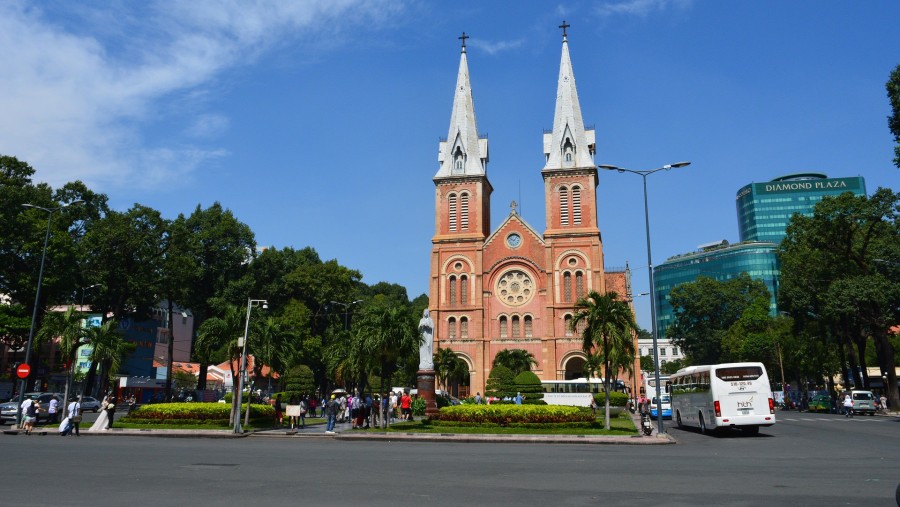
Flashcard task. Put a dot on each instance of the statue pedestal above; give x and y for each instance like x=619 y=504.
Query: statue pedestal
x=425 y=385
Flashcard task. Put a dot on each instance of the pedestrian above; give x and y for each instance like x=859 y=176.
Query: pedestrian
x=518 y=398
x=367 y=408
x=393 y=405
x=406 y=407
x=132 y=401
x=303 y=409
x=293 y=410
x=279 y=413
x=478 y=399
x=594 y=407
x=331 y=412
x=75 y=415
x=53 y=410
x=883 y=400
x=110 y=411
x=848 y=405
x=312 y=405
x=30 y=412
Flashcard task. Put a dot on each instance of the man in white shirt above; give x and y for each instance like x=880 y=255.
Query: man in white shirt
x=25 y=404
x=75 y=414
x=52 y=410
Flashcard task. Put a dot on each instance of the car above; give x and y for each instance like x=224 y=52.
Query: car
x=9 y=410
x=820 y=403
x=863 y=401
x=89 y=403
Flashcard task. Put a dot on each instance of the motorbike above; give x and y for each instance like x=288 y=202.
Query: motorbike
x=646 y=424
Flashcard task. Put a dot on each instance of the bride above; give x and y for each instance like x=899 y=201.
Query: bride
x=103 y=420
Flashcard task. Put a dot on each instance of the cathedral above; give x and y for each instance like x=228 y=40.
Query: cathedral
x=512 y=287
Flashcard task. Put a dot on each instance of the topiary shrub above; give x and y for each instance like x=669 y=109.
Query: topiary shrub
x=300 y=380
x=229 y=396
x=529 y=385
x=616 y=399
x=509 y=414
x=500 y=383
x=192 y=413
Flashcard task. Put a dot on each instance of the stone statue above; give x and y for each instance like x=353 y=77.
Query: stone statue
x=426 y=330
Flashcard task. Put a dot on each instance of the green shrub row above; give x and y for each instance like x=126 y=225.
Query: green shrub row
x=178 y=422
x=616 y=399
x=572 y=425
x=505 y=415
x=196 y=411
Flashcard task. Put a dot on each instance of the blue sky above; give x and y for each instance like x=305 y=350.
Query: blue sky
x=317 y=123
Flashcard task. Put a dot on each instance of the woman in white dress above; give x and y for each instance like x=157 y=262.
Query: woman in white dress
x=103 y=420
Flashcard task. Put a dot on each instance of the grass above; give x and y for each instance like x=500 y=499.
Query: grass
x=619 y=426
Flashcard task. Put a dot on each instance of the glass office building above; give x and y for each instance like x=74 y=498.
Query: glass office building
x=719 y=261
x=764 y=209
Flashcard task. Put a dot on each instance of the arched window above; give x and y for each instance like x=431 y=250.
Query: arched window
x=452 y=211
x=528 y=328
x=576 y=205
x=458 y=161
x=579 y=329
x=563 y=206
x=568 y=322
x=464 y=289
x=568 y=151
x=464 y=212
x=579 y=284
x=451 y=327
x=567 y=286
x=452 y=290
x=463 y=328
x=515 y=326
x=503 y=327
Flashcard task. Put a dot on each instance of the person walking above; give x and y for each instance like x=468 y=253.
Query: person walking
x=478 y=399
x=279 y=411
x=31 y=412
x=53 y=410
x=848 y=405
x=75 y=415
x=331 y=411
x=406 y=407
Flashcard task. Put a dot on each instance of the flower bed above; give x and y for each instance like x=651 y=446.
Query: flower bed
x=199 y=413
x=505 y=415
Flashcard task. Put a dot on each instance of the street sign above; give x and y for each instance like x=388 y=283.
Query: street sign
x=23 y=370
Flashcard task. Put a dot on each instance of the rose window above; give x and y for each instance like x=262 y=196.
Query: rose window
x=515 y=288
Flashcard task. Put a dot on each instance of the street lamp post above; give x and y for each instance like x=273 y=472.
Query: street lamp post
x=240 y=392
x=346 y=311
x=37 y=298
x=643 y=174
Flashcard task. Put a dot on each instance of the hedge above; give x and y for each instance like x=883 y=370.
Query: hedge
x=176 y=413
x=616 y=399
x=510 y=414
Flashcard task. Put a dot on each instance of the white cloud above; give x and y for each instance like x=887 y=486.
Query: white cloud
x=493 y=48
x=641 y=8
x=77 y=91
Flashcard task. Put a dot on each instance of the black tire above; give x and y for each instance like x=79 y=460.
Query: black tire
x=703 y=425
x=678 y=419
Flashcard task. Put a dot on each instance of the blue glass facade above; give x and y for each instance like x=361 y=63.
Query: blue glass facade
x=764 y=209
x=757 y=259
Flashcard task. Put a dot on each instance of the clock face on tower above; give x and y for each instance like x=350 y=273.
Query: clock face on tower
x=514 y=240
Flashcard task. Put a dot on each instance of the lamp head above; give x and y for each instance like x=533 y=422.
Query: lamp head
x=265 y=305
x=677 y=165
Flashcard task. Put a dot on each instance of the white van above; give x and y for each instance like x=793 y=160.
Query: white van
x=863 y=401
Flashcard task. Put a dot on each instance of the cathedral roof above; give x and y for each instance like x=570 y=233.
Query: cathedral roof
x=569 y=145
x=514 y=217
x=463 y=153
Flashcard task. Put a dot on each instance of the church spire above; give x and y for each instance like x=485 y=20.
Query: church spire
x=569 y=145
x=462 y=153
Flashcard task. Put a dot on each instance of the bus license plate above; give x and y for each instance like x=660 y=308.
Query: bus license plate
x=745 y=412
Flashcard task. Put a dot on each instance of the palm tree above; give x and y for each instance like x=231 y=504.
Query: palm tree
x=390 y=334
x=517 y=360
x=220 y=331
x=69 y=328
x=109 y=348
x=609 y=326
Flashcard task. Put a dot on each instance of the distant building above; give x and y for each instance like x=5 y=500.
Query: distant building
x=764 y=209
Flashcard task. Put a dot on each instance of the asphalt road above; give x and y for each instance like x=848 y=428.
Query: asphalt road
x=805 y=459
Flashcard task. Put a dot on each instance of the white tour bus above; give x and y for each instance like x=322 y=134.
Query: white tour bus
x=731 y=395
x=577 y=392
x=650 y=384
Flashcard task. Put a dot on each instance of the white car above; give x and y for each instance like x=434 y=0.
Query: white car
x=88 y=403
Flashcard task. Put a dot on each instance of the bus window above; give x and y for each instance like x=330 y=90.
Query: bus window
x=739 y=373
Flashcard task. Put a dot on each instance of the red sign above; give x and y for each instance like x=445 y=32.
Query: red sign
x=23 y=370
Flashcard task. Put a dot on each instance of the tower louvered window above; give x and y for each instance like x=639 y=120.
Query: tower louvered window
x=464 y=290
x=567 y=286
x=515 y=326
x=504 y=333
x=563 y=206
x=568 y=322
x=464 y=212
x=451 y=327
x=463 y=328
x=452 y=212
x=579 y=284
x=528 y=329
x=452 y=290
x=576 y=205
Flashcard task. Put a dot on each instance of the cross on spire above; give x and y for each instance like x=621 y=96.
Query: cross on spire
x=564 y=26
x=463 y=38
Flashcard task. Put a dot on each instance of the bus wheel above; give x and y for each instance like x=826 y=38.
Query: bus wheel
x=678 y=419
x=702 y=424
x=750 y=430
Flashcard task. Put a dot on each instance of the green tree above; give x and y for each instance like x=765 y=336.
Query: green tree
x=449 y=367
x=500 y=383
x=647 y=364
x=109 y=349
x=300 y=380
x=893 y=93
x=704 y=311
x=841 y=266
x=69 y=328
x=221 y=332
x=517 y=360
x=609 y=326
x=184 y=381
